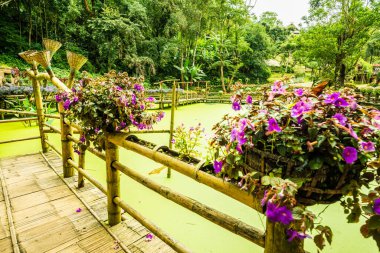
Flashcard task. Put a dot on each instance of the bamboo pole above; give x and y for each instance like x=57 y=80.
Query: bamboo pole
x=230 y=223
x=67 y=146
x=85 y=174
x=40 y=109
x=191 y=171
x=54 y=148
x=172 y=111
x=21 y=139
x=28 y=113
x=81 y=162
x=113 y=183
x=89 y=148
x=55 y=130
x=17 y=120
x=276 y=242
x=177 y=246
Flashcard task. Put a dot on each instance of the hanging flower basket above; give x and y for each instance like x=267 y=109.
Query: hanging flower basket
x=322 y=142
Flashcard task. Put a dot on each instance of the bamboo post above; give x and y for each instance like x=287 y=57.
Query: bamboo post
x=276 y=242
x=172 y=123
x=161 y=105
x=40 y=112
x=113 y=183
x=67 y=145
x=81 y=163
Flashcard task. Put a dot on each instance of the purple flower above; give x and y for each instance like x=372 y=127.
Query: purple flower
x=236 y=105
x=82 y=138
x=148 y=237
x=367 y=146
x=150 y=99
x=119 y=88
x=376 y=206
x=133 y=99
x=78 y=210
x=218 y=166
x=97 y=130
x=75 y=99
x=172 y=141
x=67 y=104
x=142 y=107
x=340 y=102
x=298 y=92
x=279 y=213
x=239 y=149
x=160 y=116
x=273 y=126
x=341 y=118
x=292 y=234
x=350 y=154
x=300 y=108
x=77 y=151
x=332 y=98
x=58 y=98
x=264 y=199
x=249 y=99
x=239 y=136
x=138 y=87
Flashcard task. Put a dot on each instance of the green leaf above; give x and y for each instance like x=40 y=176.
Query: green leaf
x=373 y=222
x=316 y=163
x=297 y=213
x=320 y=140
x=265 y=180
x=319 y=241
x=281 y=149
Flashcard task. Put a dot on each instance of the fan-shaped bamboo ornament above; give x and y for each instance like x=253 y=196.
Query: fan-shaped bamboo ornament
x=76 y=61
x=41 y=57
x=26 y=56
x=51 y=45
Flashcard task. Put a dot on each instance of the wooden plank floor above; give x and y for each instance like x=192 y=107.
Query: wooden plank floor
x=45 y=217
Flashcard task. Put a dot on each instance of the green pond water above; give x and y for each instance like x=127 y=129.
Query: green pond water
x=192 y=230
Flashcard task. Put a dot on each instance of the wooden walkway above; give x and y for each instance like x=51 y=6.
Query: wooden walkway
x=48 y=216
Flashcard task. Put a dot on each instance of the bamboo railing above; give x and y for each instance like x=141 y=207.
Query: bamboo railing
x=273 y=239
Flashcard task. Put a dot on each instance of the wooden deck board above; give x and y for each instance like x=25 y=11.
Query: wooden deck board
x=45 y=217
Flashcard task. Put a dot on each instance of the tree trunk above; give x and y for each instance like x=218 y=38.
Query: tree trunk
x=342 y=74
x=222 y=77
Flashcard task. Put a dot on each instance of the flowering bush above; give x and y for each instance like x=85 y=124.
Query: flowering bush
x=328 y=139
x=107 y=104
x=186 y=141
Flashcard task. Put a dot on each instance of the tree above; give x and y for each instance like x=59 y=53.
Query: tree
x=350 y=23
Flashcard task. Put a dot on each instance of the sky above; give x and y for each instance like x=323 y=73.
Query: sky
x=289 y=11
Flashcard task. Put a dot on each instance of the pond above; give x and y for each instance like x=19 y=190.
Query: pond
x=192 y=230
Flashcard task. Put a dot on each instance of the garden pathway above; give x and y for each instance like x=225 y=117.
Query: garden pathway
x=48 y=216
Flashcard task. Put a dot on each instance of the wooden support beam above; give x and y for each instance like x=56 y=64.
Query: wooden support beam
x=113 y=183
x=228 y=222
x=276 y=240
x=67 y=146
x=81 y=163
x=177 y=246
x=27 y=113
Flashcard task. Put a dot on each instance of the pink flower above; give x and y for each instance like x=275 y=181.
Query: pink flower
x=298 y=92
x=149 y=237
x=273 y=126
x=367 y=146
x=350 y=155
x=78 y=210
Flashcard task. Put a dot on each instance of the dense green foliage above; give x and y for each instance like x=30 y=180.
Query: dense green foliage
x=218 y=40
